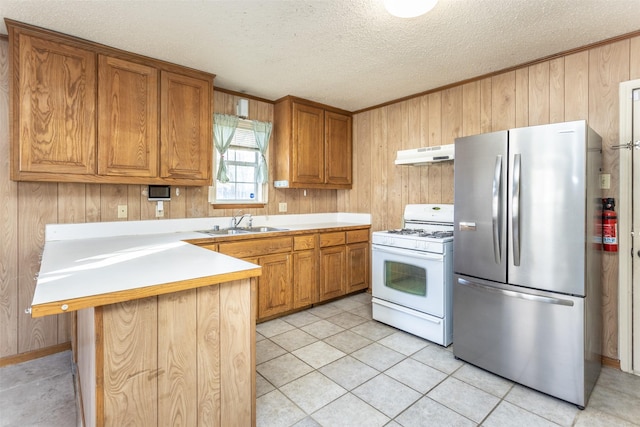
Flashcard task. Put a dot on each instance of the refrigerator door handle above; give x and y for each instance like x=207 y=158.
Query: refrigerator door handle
x=514 y=294
x=515 y=206
x=496 y=218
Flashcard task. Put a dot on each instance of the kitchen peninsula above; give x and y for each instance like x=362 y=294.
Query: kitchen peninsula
x=165 y=330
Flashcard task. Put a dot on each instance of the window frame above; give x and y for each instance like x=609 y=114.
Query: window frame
x=245 y=125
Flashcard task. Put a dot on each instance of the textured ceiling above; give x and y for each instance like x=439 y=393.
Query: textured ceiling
x=346 y=53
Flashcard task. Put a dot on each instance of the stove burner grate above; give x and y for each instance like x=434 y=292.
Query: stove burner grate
x=422 y=233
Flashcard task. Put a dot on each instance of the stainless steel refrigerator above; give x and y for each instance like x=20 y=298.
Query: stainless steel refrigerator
x=527 y=285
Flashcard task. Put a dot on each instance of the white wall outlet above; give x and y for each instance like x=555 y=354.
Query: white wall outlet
x=159 y=209
x=605 y=181
x=282 y=207
x=122 y=211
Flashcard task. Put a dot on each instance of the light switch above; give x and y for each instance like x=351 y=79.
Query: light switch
x=605 y=181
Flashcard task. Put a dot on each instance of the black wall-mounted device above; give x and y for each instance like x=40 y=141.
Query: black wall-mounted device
x=159 y=192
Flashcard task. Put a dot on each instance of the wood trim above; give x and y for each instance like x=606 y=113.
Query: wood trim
x=610 y=362
x=254 y=315
x=99 y=364
x=506 y=70
x=113 y=179
x=139 y=293
x=313 y=104
x=4 y=37
x=35 y=354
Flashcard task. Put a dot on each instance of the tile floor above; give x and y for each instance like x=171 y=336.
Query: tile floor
x=333 y=366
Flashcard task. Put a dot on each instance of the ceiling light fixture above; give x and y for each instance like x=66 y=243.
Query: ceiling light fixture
x=409 y=8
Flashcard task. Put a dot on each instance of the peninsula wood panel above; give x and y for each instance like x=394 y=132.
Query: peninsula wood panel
x=186 y=358
x=130 y=352
x=237 y=352
x=208 y=355
x=579 y=86
x=177 y=358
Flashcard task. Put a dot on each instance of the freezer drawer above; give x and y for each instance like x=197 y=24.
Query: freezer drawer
x=531 y=337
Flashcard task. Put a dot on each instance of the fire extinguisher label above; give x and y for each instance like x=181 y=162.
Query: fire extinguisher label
x=609 y=234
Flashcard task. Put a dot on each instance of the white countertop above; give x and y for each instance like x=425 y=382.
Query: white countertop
x=87 y=260
x=82 y=268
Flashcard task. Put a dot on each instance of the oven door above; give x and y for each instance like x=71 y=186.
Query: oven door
x=409 y=278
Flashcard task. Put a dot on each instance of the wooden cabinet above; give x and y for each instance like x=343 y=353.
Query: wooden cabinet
x=275 y=285
x=300 y=270
x=84 y=112
x=358 y=260
x=313 y=145
x=338 y=149
x=275 y=291
x=305 y=271
x=186 y=128
x=53 y=106
x=127 y=118
x=332 y=265
x=344 y=263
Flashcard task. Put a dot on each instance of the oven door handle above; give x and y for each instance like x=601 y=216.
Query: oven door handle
x=408 y=253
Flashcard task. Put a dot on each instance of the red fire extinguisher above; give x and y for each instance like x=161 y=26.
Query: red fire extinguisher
x=609 y=226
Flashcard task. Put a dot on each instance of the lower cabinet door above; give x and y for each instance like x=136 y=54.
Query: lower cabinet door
x=305 y=278
x=332 y=272
x=357 y=266
x=275 y=288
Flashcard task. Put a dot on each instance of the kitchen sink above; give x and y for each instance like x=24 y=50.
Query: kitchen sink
x=264 y=229
x=232 y=231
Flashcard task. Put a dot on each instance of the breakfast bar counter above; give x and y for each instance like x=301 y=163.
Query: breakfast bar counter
x=164 y=331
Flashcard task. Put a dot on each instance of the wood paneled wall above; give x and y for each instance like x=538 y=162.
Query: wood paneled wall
x=582 y=85
x=26 y=207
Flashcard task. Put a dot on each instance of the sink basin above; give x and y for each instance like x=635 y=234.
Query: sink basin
x=225 y=231
x=264 y=229
x=231 y=231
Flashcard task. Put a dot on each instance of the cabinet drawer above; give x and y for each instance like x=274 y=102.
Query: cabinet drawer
x=301 y=243
x=210 y=246
x=256 y=247
x=332 y=239
x=357 y=236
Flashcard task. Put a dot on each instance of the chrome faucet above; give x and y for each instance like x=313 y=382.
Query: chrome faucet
x=235 y=220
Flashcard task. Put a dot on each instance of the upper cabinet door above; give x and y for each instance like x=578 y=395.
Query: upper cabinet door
x=127 y=118
x=186 y=137
x=308 y=146
x=337 y=148
x=54 y=112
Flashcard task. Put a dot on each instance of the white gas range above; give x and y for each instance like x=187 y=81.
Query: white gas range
x=412 y=273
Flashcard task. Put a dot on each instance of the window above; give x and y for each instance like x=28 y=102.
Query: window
x=242 y=160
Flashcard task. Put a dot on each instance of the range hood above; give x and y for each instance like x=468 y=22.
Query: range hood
x=425 y=155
